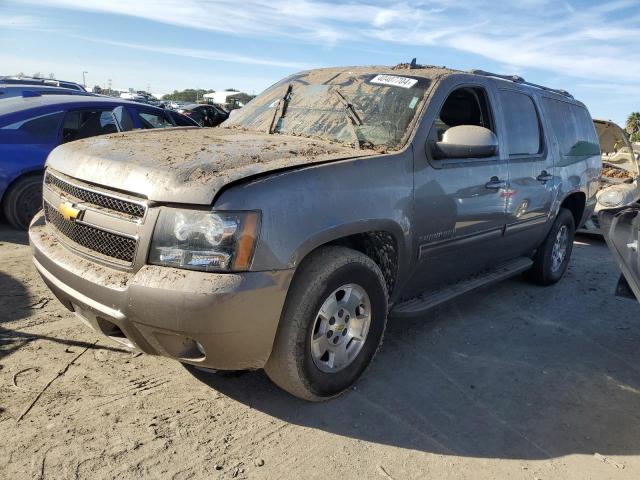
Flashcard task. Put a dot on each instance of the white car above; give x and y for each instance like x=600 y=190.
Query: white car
x=620 y=172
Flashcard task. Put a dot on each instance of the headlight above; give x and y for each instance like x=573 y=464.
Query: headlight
x=204 y=240
x=611 y=198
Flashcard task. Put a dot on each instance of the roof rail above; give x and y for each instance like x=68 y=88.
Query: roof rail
x=521 y=81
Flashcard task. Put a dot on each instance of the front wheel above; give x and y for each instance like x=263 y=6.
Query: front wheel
x=331 y=326
x=552 y=258
x=22 y=201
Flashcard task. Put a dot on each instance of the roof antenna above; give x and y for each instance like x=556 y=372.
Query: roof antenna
x=413 y=64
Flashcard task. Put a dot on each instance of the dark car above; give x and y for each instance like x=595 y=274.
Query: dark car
x=337 y=198
x=205 y=115
x=32 y=125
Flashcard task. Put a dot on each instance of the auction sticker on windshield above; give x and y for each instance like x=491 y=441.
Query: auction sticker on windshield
x=394 y=81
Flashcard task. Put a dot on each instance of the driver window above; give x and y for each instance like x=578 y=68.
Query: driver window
x=464 y=106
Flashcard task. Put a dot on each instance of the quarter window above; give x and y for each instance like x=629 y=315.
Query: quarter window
x=573 y=127
x=522 y=123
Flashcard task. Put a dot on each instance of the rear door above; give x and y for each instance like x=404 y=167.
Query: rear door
x=530 y=190
x=25 y=144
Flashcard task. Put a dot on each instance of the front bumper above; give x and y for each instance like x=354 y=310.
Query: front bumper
x=225 y=321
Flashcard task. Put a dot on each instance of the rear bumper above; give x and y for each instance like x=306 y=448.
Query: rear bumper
x=221 y=321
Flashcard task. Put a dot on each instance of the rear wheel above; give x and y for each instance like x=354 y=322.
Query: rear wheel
x=552 y=258
x=22 y=201
x=332 y=324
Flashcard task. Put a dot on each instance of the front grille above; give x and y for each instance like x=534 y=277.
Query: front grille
x=92 y=238
x=96 y=198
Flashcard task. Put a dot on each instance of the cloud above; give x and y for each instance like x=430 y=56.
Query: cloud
x=583 y=41
x=19 y=21
x=197 y=53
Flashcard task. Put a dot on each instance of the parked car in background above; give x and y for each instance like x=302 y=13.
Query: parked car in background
x=8 y=80
x=31 y=126
x=9 y=91
x=283 y=239
x=620 y=178
x=174 y=104
x=205 y=114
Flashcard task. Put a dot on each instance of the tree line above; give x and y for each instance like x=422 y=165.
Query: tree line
x=633 y=126
x=190 y=94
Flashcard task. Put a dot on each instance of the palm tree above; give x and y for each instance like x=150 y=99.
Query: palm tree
x=633 y=126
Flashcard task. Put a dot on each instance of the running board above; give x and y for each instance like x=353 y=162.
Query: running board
x=429 y=300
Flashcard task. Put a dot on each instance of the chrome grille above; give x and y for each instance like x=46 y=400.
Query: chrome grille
x=96 y=198
x=95 y=239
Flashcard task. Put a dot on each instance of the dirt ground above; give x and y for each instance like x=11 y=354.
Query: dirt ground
x=514 y=381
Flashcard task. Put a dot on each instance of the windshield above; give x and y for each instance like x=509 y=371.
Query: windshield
x=363 y=110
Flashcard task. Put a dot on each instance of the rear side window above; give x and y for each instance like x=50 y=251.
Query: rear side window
x=522 y=124
x=153 y=120
x=573 y=127
x=43 y=128
x=87 y=123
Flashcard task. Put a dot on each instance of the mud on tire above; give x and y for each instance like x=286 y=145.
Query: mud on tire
x=292 y=365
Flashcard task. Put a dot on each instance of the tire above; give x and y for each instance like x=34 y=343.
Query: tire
x=318 y=282
x=22 y=201
x=546 y=271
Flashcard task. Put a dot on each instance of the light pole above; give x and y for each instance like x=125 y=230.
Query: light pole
x=84 y=82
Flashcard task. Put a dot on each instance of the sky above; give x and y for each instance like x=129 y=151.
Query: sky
x=587 y=47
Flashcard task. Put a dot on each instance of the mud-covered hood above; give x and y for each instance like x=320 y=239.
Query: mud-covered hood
x=187 y=165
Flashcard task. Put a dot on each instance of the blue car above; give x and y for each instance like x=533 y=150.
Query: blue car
x=31 y=126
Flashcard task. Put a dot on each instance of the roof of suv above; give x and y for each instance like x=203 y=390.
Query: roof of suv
x=427 y=71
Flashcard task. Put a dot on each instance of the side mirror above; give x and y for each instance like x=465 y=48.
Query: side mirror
x=466 y=141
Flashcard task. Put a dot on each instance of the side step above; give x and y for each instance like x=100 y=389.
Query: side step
x=429 y=300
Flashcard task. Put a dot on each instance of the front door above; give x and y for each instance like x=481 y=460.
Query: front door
x=460 y=204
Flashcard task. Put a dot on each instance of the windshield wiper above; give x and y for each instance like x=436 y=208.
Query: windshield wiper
x=283 y=103
x=349 y=108
x=352 y=116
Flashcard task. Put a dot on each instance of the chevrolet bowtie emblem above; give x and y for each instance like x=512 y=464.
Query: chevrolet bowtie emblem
x=68 y=211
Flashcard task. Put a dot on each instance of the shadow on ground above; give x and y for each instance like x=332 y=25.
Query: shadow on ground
x=512 y=371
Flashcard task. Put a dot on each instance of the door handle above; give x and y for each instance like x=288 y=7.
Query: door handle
x=495 y=184
x=544 y=176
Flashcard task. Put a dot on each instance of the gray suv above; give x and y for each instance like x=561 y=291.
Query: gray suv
x=335 y=199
